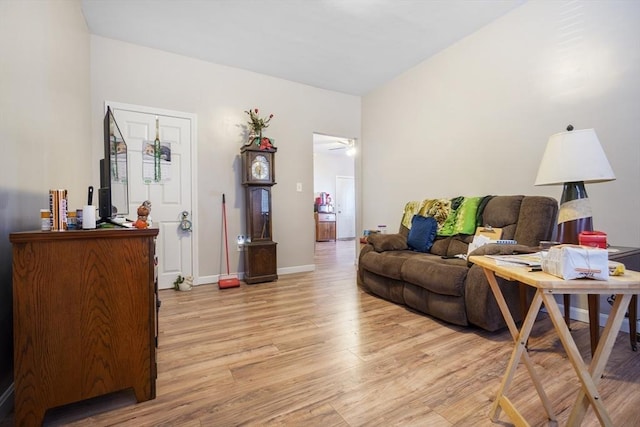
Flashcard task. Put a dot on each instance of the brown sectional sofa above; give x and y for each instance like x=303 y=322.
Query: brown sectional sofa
x=452 y=289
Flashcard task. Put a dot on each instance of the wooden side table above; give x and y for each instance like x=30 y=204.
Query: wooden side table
x=630 y=257
x=546 y=287
x=325 y=227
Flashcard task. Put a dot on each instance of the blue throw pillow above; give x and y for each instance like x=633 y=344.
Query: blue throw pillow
x=422 y=233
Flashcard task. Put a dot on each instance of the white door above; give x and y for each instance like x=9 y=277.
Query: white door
x=345 y=207
x=171 y=196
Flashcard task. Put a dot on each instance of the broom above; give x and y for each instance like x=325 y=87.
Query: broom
x=230 y=280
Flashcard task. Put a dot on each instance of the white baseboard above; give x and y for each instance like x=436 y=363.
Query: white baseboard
x=297 y=269
x=214 y=278
x=6 y=402
x=582 y=315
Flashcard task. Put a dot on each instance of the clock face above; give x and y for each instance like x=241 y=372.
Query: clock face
x=260 y=168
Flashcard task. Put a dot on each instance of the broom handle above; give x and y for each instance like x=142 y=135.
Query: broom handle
x=226 y=239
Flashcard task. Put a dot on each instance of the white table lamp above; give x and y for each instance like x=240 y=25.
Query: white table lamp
x=571 y=159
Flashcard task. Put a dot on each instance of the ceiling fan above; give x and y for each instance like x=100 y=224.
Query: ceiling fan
x=344 y=144
x=348 y=145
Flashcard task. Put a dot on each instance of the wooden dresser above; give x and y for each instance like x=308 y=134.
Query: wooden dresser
x=84 y=317
x=325 y=227
x=630 y=257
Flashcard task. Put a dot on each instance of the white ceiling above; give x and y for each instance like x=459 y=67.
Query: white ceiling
x=349 y=46
x=328 y=144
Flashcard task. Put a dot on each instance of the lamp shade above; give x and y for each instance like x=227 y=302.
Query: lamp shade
x=574 y=156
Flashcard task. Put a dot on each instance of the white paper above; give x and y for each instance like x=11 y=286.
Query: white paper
x=577 y=262
x=478 y=240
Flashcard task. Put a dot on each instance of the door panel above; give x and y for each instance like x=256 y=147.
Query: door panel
x=345 y=207
x=170 y=197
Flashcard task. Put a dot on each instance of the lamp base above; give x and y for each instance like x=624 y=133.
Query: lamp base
x=575 y=213
x=569 y=231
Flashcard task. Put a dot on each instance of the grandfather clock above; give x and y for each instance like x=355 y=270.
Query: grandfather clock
x=258 y=176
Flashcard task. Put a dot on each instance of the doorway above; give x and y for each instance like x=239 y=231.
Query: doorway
x=334 y=175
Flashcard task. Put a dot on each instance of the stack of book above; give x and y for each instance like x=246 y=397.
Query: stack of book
x=58 y=208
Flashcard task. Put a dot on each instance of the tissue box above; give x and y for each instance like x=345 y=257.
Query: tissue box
x=597 y=239
x=577 y=262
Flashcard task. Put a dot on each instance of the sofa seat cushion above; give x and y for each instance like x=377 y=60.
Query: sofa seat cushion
x=441 y=276
x=389 y=289
x=387 y=264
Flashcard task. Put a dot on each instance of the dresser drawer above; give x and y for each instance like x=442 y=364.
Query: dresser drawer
x=326 y=217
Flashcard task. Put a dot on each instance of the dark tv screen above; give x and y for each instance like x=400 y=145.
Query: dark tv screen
x=113 y=195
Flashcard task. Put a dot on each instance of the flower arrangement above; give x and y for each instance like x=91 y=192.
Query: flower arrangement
x=256 y=125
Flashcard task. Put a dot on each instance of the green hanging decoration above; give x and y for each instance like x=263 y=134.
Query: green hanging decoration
x=156 y=154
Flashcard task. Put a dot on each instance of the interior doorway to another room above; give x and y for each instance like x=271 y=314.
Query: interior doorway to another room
x=334 y=186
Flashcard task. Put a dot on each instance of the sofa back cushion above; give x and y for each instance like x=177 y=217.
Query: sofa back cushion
x=537 y=220
x=526 y=219
x=440 y=246
x=502 y=212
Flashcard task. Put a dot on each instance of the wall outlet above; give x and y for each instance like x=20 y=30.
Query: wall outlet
x=299 y=187
x=240 y=240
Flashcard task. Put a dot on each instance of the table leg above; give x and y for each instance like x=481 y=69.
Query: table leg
x=522 y=289
x=589 y=377
x=600 y=358
x=520 y=351
x=594 y=320
x=633 y=321
x=567 y=310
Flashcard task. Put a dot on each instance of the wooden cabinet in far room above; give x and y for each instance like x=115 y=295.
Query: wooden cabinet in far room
x=325 y=227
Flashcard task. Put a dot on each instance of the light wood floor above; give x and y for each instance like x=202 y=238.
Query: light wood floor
x=313 y=350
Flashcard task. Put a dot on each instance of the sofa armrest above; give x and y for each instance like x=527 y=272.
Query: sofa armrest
x=481 y=305
x=388 y=242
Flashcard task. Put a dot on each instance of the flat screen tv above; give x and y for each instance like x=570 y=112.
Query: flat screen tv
x=113 y=195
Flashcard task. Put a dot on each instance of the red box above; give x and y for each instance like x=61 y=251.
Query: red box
x=595 y=239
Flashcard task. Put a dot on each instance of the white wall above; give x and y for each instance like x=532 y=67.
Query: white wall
x=218 y=95
x=325 y=169
x=44 y=129
x=475 y=118
x=44 y=103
